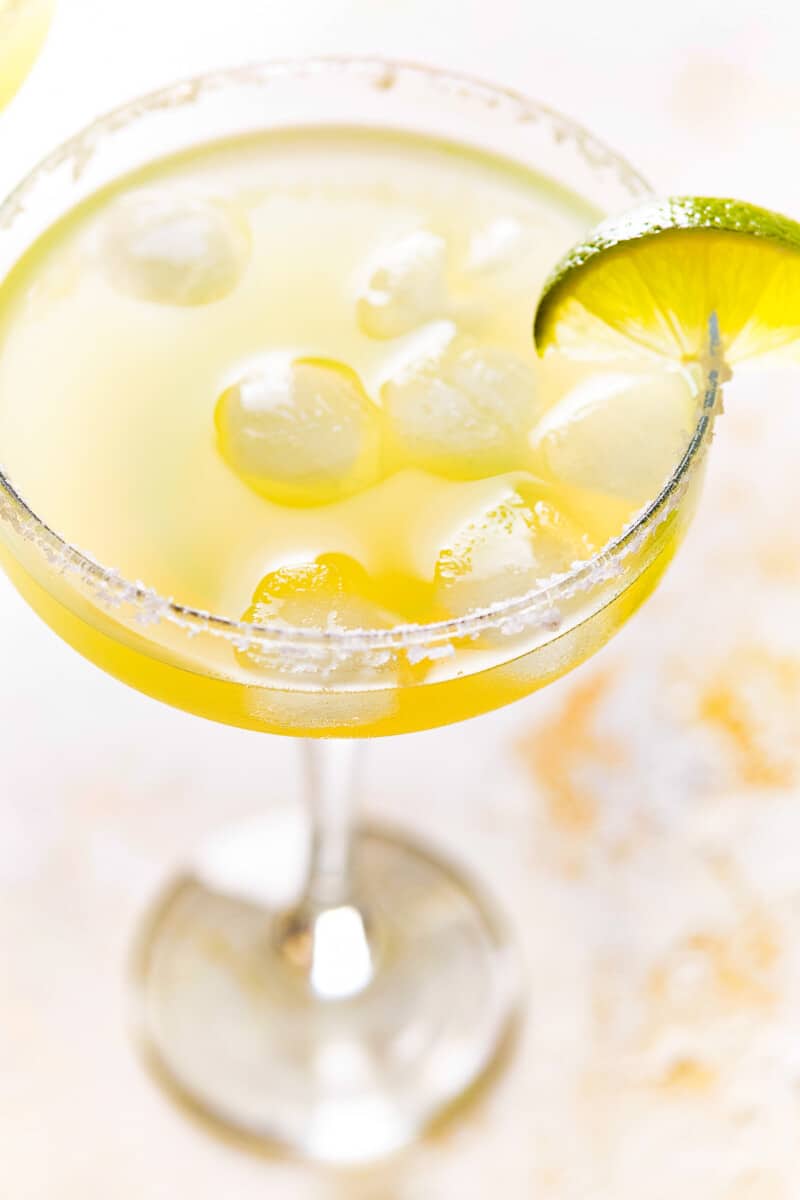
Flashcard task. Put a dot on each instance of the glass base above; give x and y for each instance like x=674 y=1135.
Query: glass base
x=343 y=1055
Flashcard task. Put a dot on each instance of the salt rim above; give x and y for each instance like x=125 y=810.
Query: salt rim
x=537 y=607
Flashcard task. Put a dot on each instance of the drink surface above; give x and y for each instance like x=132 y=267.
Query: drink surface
x=290 y=380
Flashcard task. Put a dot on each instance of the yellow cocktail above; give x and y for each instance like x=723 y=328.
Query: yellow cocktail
x=268 y=364
x=311 y=402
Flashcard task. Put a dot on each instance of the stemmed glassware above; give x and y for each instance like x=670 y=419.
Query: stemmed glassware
x=335 y=1006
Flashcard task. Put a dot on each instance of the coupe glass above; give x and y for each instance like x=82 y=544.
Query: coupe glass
x=336 y=1005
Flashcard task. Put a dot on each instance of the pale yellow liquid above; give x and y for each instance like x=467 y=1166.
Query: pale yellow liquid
x=107 y=427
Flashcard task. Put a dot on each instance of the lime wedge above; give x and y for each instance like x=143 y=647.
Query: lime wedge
x=664 y=279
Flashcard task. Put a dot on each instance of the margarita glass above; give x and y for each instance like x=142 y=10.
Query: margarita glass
x=340 y=1011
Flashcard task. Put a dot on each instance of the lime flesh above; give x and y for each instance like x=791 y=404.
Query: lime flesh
x=672 y=276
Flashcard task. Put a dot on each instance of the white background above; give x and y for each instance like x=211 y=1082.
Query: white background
x=699 y=95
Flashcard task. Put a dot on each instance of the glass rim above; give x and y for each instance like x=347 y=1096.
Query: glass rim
x=508 y=612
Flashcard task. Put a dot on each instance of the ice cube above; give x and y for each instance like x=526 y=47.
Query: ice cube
x=174 y=249
x=405 y=286
x=334 y=593
x=505 y=551
x=300 y=431
x=618 y=433
x=309 y=713
x=495 y=246
x=330 y=593
x=464 y=411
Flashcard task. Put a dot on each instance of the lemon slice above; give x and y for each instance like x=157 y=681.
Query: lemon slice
x=23 y=28
x=673 y=277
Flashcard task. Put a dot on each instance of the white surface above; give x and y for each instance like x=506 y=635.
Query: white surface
x=658 y=904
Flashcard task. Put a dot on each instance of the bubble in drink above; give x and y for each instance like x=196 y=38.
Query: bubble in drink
x=622 y=434
x=300 y=432
x=464 y=411
x=506 y=551
x=175 y=250
x=406 y=286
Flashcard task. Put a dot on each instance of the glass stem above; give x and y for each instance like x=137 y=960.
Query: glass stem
x=330 y=794
x=327 y=936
